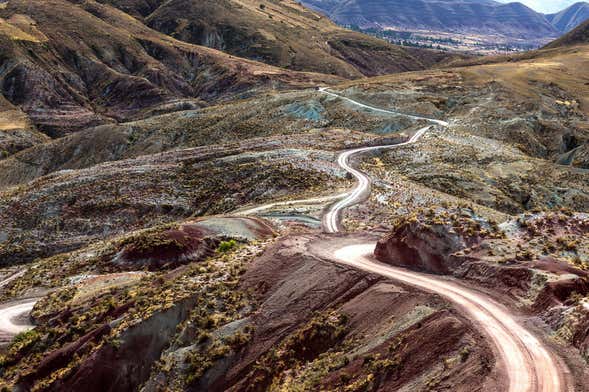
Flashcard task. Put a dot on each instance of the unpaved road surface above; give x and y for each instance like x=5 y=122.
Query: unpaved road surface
x=380 y=110
x=524 y=359
x=331 y=220
x=13 y=315
x=528 y=364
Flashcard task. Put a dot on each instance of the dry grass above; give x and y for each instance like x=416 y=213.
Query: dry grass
x=568 y=69
x=12 y=119
x=14 y=33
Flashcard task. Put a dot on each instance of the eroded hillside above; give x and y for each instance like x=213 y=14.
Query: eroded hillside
x=185 y=250
x=281 y=33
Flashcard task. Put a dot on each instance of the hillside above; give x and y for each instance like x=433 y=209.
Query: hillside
x=126 y=233
x=474 y=17
x=578 y=36
x=281 y=33
x=569 y=18
x=67 y=66
x=177 y=218
x=70 y=66
x=16 y=131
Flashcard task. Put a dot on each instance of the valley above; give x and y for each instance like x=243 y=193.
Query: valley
x=472 y=26
x=245 y=196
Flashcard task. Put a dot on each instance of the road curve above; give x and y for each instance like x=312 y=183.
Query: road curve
x=331 y=220
x=380 y=110
x=528 y=365
x=265 y=207
x=11 y=311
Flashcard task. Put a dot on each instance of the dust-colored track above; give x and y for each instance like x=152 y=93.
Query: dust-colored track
x=528 y=364
x=11 y=311
x=524 y=359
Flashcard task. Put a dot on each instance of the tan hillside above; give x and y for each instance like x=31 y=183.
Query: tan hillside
x=73 y=65
x=282 y=33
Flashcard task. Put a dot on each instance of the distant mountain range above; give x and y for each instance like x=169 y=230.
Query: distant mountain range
x=577 y=36
x=485 y=17
x=569 y=18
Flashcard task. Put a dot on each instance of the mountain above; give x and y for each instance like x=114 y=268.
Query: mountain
x=280 y=33
x=477 y=17
x=569 y=18
x=70 y=65
x=578 y=36
x=463 y=16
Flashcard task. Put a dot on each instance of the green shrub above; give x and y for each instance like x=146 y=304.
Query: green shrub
x=24 y=340
x=226 y=246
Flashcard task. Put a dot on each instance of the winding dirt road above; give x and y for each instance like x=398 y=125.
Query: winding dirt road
x=528 y=364
x=12 y=314
x=331 y=220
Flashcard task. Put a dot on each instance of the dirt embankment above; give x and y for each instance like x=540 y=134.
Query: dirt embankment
x=307 y=324
x=320 y=326
x=537 y=261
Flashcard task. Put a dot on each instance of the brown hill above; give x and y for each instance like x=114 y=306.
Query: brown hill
x=69 y=66
x=281 y=33
x=580 y=35
x=16 y=131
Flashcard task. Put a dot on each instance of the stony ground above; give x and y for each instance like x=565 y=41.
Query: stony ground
x=140 y=237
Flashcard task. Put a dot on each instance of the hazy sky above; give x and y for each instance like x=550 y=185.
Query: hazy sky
x=545 y=6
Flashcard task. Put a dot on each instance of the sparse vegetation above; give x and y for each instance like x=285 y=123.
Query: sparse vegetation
x=226 y=246
x=124 y=228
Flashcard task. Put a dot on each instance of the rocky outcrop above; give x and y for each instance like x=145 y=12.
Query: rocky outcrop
x=427 y=243
x=191 y=242
x=580 y=338
x=508 y=260
x=163 y=250
x=577 y=157
x=539 y=262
